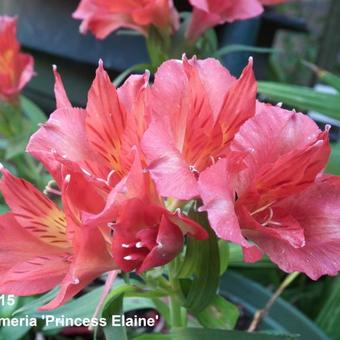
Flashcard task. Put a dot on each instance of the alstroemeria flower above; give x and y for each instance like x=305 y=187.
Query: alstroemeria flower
x=102 y=17
x=209 y=13
x=97 y=144
x=41 y=246
x=197 y=108
x=146 y=235
x=16 y=68
x=99 y=148
x=283 y=202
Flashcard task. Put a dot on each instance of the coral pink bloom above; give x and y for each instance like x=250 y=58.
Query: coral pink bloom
x=99 y=148
x=16 y=69
x=96 y=144
x=283 y=204
x=209 y=13
x=145 y=234
x=148 y=235
x=197 y=109
x=41 y=247
x=102 y=17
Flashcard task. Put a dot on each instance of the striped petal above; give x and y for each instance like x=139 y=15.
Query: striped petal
x=34 y=211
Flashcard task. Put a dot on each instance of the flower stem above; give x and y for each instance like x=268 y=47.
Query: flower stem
x=175 y=305
x=260 y=314
x=108 y=285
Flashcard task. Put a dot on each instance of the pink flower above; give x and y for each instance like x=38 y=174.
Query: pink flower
x=283 y=202
x=16 y=68
x=97 y=144
x=102 y=17
x=197 y=108
x=209 y=13
x=99 y=149
x=42 y=246
x=146 y=235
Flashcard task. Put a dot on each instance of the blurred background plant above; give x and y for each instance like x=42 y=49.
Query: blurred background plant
x=18 y=115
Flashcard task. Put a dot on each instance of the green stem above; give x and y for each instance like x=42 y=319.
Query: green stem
x=175 y=305
x=260 y=314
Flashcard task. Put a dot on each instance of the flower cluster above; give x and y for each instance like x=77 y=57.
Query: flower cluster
x=126 y=165
x=102 y=17
x=16 y=68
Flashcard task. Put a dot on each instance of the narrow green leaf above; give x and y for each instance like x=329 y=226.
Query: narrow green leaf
x=135 y=68
x=32 y=111
x=14 y=333
x=329 y=316
x=236 y=259
x=154 y=337
x=333 y=166
x=215 y=334
x=31 y=307
x=223 y=247
x=3 y=208
x=243 y=48
x=325 y=76
x=113 y=307
x=206 y=279
x=302 y=98
x=163 y=309
x=220 y=314
x=208 y=43
x=16 y=146
x=190 y=262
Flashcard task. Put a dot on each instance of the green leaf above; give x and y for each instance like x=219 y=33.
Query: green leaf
x=220 y=314
x=163 y=309
x=329 y=316
x=223 y=247
x=3 y=208
x=325 y=76
x=14 y=333
x=333 y=166
x=207 y=44
x=154 y=337
x=31 y=307
x=236 y=259
x=214 y=334
x=32 y=111
x=84 y=306
x=302 y=98
x=243 y=48
x=114 y=306
x=206 y=278
x=135 y=68
x=191 y=261
x=16 y=146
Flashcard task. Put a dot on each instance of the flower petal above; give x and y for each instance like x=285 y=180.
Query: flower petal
x=62 y=137
x=239 y=103
x=92 y=259
x=168 y=169
x=27 y=264
x=34 y=276
x=34 y=211
x=274 y=133
x=317 y=211
x=59 y=91
x=106 y=120
x=218 y=199
x=169 y=245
